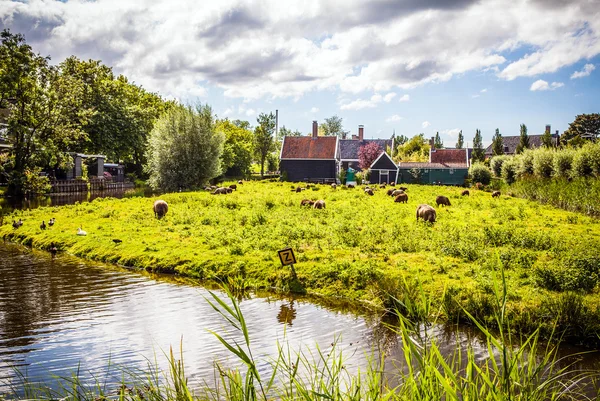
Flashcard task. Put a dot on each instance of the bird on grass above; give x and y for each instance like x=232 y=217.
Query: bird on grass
x=43 y=225
x=81 y=232
x=53 y=249
x=51 y=222
x=117 y=241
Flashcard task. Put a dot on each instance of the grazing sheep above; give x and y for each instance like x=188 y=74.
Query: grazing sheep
x=465 y=192
x=392 y=183
x=390 y=191
x=298 y=189
x=496 y=194
x=382 y=186
x=212 y=187
x=369 y=191
x=240 y=182
x=233 y=186
x=221 y=191
x=320 y=204
x=442 y=200
x=403 y=198
x=403 y=188
x=334 y=186
x=426 y=212
x=160 y=208
x=397 y=192
x=306 y=202
x=229 y=190
x=350 y=185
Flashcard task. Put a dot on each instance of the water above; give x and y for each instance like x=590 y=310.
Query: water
x=63 y=314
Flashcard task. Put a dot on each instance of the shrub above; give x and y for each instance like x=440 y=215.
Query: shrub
x=525 y=163
x=509 y=170
x=480 y=173
x=496 y=164
x=563 y=162
x=543 y=162
x=582 y=163
x=573 y=270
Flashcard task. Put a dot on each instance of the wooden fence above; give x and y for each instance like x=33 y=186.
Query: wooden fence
x=94 y=185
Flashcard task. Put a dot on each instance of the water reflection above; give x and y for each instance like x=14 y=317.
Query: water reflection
x=287 y=313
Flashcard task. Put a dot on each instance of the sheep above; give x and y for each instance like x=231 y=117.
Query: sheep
x=465 y=192
x=229 y=190
x=334 y=186
x=306 y=202
x=320 y=204
x=401 y=198
x=496 y=194
x=382 y=186
x=160 y=208
x=221 y=191
x=350 y=185
x=397 y=192
x=390 y=191
x=426 y=212
x=443 y=200
x=298 y=189
x=207 y=188
x=240 y=182
x=403 y=188
x=369 y=191
x=233 y=186
x=392 y=183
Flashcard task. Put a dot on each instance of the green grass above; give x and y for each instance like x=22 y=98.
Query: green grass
x=362 y=248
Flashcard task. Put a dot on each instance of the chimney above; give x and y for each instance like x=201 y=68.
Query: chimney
x=432 y=143
x=361 y=132
x=547 y=128
x=355 y=137
x=315 y=129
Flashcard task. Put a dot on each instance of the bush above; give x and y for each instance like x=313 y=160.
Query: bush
x=496 y=164
x=563 y=162
x=509 y=170
x=525 y=163
x=543 y=163
x=586 y=161
x=480 y=173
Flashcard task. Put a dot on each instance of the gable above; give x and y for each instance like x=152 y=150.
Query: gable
x=384 y=162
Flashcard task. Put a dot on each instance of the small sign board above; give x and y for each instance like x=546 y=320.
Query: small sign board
x=287 y=256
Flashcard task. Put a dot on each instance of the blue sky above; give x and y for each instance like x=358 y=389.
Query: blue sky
x=406 y=65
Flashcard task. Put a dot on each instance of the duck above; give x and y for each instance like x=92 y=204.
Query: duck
x=43 y=225
x=51 y=222
x=81 y=232
x=53 y=249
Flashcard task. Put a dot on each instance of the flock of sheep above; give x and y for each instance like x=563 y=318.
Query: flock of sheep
x=424 y=211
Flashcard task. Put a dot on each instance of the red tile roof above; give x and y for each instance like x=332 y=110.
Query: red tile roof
x=406 y=165
x=307 y=147
x=449 y=156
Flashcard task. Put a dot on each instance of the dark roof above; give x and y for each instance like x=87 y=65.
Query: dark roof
x=432 y=165
x=449 y=156
x=349 y=147
x=307 y=147
x=535 y=141
x=384 y=161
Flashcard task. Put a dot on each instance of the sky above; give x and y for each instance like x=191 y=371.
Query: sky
x=403 y=66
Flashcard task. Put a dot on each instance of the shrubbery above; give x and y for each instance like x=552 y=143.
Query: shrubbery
x=480 y=173
x=496 y=164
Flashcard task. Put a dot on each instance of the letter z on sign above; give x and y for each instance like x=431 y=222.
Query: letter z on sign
x=287 y=256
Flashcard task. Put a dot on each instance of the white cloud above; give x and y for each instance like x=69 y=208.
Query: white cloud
x=269 y=51
x=541 y=85
x=587 y=70
x=483 y=90
x=453 y=133
x=314 y=109
x=250 y=112
x=393 y=118
x=227 y=112
x=404 y=98
x=475 y=96
x=425 y=124
x=360 y=104
x=388 y=98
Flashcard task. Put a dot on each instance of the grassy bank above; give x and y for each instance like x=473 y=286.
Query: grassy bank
x=361 y=247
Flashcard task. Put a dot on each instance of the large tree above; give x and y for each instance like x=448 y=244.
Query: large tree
x=237 y=149
x=547 y=139
x=41 y=102
x=332 y=127
x=497 y=144
x=263 y=139
x=283 y=132
x=523 y=140
x=438 y=143
x=584 y=127
x=461 y=140
x=367 y=154
x=478 y=151
x=184 y=149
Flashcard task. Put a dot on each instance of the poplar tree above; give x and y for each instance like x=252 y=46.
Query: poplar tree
x=461 y=140
x=438 y=144
x=478 y=152
x=523 y=141
x=497 y=145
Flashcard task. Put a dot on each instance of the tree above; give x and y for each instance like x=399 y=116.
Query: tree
x=40 y=102
x=584 y=127
x=184 y=149
x=497 y=144
x=523 y=140
x=478 y=152
x=416 y=149
x=263 y=138
x=461 y=140
x=367 y=154
x=438 y=143
x=241 y=123
x=332 y=127
x=547 y=139
x=237 y=149
x=288 y=132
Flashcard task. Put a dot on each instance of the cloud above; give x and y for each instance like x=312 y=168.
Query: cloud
x=483 y=90
x=475 y=96
x=393 y=118
x=587 y=70
x=227 y=112
x=360 y=104
x=250 y=112
x=404 y=98
x=541 y=85
x=453 y=133
x=269 y=51
x=425 y=124
x=314 y=109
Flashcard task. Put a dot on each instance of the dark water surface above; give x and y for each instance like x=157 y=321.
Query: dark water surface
x=60 y=315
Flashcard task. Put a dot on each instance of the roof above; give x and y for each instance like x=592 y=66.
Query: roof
x=307 y=147
x=432 y=165
x=349 y=147
x=448 y=156
x=385 y=161
x=535 y=141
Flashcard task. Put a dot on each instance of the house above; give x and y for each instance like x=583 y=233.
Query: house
x=309 y=158
x=510 y=143
x=445 y=167
x=383 y=170
x=348 y=154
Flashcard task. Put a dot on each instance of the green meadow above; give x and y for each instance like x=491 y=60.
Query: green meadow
x=364 y=248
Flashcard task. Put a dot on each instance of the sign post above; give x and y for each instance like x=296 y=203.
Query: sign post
x=288 y=258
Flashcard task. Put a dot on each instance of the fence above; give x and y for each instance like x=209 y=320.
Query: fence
x=94 y=185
